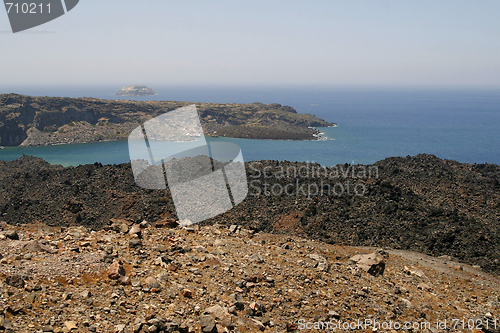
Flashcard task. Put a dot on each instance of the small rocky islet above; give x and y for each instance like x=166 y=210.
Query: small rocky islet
x=136 y=90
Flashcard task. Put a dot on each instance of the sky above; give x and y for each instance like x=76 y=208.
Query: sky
x=385 y=43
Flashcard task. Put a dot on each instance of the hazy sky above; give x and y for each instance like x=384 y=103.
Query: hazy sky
x=217 y=42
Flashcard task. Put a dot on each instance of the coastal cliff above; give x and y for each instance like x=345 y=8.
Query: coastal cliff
x=41 y=121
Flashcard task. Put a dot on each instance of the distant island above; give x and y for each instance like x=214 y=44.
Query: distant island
x=42 y=121
x=136 y=90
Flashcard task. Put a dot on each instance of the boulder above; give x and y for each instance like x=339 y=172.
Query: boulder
x=36 y=246
x=135 y=230
x=321 y=262
x=257 y=258
x=5 y=324
x=187 y=293
x=124 y=280
x=152 y=283
x=207 y=323
x=15 y=281
x=11 y=234
x=373 y=263
x=115 y=270
x=134 y=243
x=121 y=328
x=70 y=325
x=120 y=225
x=220 y=314
x=415 y=272
x=167 y=223
x=255 y=324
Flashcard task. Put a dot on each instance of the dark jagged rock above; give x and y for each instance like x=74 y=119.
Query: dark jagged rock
x=421 y=203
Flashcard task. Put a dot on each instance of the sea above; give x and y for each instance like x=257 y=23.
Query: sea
x=372 y=124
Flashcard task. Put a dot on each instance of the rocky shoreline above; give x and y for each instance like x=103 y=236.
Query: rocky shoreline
x=42 y=121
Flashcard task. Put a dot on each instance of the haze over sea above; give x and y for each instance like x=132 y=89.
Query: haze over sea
x=373 y=124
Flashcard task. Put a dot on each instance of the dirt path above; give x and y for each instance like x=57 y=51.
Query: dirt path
x=446 y=265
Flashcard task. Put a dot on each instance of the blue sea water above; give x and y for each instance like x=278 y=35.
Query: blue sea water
x=372 y=124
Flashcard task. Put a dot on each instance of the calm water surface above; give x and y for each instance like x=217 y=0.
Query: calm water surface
x=372 y=124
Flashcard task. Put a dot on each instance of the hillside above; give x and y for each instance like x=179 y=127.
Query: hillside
x=38 y=121
x=149 y=278
x=421 y=203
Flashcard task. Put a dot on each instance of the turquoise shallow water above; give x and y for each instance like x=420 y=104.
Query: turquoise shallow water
x=116 y=152
x=372 y=125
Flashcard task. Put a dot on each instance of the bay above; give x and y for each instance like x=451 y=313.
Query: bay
x=372 y=124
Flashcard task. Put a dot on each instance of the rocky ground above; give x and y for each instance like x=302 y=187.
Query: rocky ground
x=419 y=203
x=158 y=277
